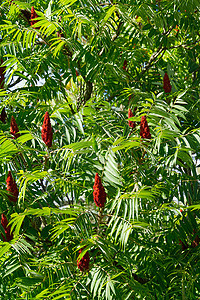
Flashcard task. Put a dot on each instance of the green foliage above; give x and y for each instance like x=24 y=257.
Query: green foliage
x=86 y=63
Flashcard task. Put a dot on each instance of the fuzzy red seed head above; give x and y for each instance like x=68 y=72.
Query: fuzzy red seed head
x=131 y=123
x=3 y=115
x=33 y=16
x=125 y=65
x=47 y=133
x=8 y=234
x=166 y=84
x=144 y=129
x=196 y=241
x=14 y=130
x=176 y=29
x=99 y=193
x=4 y=221
x=83 y=263
x=183 y=246
x=12 y=188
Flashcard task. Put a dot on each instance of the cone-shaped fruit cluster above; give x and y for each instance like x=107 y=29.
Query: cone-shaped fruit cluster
x=131 y=123
x=14 y=128
x=12 y=188
x=166 y=84
x=3 y=115
x=47 y=133
x=33 y=16
x=99 y=193
x=2 y=77
x=183 y=246
x=196 y=241
x=4 y=223
x=144 y=129
x=83 y=263
x=125 y=65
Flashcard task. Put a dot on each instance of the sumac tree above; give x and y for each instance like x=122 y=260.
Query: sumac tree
x=107 y=87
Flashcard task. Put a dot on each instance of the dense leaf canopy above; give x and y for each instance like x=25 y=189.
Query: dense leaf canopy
x=107 y=87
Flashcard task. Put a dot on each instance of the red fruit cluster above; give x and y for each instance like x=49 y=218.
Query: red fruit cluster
x=166 y=84
x=2 y=77
x=196 y=241
x=12 y=188
x=47 y=133
x=131 y=123
x=183 y=246
x=125 y=65
x=4 y=223
x=33 y=16
x=176 y=29
x=194 y=244
x=144 y=129
x=83 y=263
x=99 y=193
x=3 y=115
x=14 y=128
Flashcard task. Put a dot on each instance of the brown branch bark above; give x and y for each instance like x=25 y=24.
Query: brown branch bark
x=153 y=57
